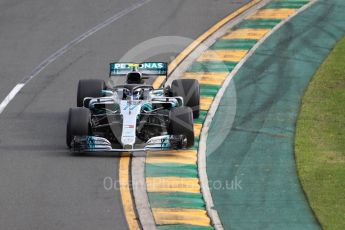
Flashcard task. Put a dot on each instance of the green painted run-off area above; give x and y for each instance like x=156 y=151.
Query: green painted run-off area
x=259 y=149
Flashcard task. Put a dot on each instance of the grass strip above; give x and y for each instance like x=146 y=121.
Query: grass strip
x=320 y=141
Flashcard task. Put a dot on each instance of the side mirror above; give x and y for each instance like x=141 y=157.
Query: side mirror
x=107 y=93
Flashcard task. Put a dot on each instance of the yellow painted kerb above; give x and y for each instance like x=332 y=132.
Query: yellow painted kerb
x=173 y=156
x=273 y=14
x=205 y=103
x=126 y=197
x=173 y=184
x=246 y=34
x=127 y=201
x=196 y=217
x=206 y=78
x=208 y=33
x=222 y=55
x=197 y=129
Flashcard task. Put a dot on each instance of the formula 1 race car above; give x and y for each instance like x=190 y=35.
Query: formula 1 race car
x=133 y=116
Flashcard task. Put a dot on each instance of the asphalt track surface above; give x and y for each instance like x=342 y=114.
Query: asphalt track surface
x=42 y=185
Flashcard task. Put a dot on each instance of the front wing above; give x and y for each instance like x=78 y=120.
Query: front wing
x=100 y=144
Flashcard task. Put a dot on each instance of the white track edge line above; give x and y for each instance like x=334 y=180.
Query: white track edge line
x=10 y=96
x=64 y=49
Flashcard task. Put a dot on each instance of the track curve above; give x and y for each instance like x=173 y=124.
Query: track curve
x=43 y=186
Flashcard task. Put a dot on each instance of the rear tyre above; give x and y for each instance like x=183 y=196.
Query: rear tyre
x=181 y=123
x=78 y=123
x=89 y=88
x=189 y=90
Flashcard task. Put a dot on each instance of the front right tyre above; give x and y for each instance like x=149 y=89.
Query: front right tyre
x=189 y=90
x=181 y=123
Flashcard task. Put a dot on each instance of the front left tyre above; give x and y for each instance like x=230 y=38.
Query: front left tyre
x=78 y=123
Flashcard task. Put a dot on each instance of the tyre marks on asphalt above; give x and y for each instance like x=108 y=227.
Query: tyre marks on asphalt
x=172 y=179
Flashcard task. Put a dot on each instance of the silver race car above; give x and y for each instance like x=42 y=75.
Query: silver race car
x=133 y=116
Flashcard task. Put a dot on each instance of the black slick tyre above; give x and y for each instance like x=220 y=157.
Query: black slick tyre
x=181 y=123
x=189 y=90
x=89 y=88
x=78 y=123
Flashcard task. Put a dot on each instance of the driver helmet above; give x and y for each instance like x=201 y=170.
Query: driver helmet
x=134 y=77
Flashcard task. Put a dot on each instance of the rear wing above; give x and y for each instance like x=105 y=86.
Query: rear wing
x=145 y=68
